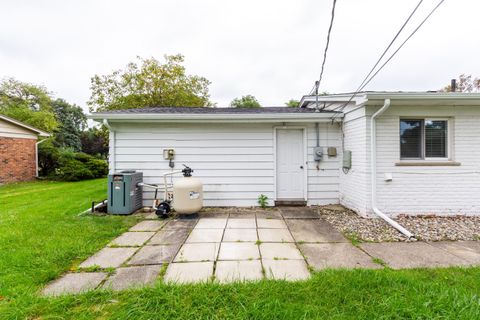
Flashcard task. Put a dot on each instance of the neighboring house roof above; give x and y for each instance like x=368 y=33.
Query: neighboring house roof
x=375 y=96
x=24 y=126
x=201 y=113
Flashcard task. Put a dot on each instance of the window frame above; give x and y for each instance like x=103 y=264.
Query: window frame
x=423 y=140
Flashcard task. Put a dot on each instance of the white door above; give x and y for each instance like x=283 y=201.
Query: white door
x=290 y=164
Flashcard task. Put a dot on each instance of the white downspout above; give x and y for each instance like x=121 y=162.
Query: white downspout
x=373 y=173
x=36 y=156
x=112 y=154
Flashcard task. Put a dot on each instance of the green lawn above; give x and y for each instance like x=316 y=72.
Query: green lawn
x=42 y=236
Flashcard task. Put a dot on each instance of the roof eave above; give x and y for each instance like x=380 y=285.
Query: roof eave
x=39 y=132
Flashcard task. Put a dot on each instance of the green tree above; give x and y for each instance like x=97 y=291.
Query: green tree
x=72 y=121
x=292 y=103
x=28 y=103
x=464 y=84
x=95 y=141
x=247 y=101
x=149 y=83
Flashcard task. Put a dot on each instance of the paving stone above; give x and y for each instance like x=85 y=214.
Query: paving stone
x=238 y=251
x=132 y=277
x=271 y=224
x=151 y=216
x=74 y=283
x=205 y=235
x=132 y=239
x=467 y=250
x=170 y=236
x=211 y=224
x=269 y=214
x=109 y=258
x=220 y=214
x=148 y=225
x=400 y=255
x=274 y=235
x=235 y=235
x=231 y=271
x=242 y=215
x=286 y=269
x=336 y=255
x=154 y=254
x=190 y=272
x=241 y=223
x=308 y=230
x=197 y=252
x=181 y=224
x=299 y=213
x=280 y=251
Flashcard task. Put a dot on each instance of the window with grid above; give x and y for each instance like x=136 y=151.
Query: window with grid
x=423 y=139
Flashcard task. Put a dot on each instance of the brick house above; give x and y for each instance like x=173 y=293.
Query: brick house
x=18 y=150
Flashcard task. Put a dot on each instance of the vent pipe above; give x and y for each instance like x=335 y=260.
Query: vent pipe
x=453 y=85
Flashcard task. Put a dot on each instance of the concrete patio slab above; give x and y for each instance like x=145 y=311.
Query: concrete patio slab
x=170 y=236
x=467 y=250
x=181 y=224
x=194 y=252
x=205 y=235
x=151 y=216
x=241 y=223
x=214 y=214
x=212 y=223
x=233 y=271
x=154 y=254
x=336 y=255
x=148 y=225
x=280 y=251
x=238 y=251
x=132 y=239
x=269 y=214
x=299 y=213
x=109 y=258
x=191 y=272
x=309 y=230
x=74 y=283
x=236 y=235
x=286 y=269
x=399 y=255
x=271 y=224
x=274 y=235
x=133 y=277
x=242 y=215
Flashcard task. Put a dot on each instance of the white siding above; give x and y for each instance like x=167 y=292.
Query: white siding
x=10 y=130
x=445 y=190
x=234 y=161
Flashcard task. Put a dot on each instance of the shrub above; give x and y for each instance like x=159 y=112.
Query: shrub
x=76 y=166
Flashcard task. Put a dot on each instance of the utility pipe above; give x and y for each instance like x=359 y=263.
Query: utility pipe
x=373 y=173
x=112 y=153
x=36 y=156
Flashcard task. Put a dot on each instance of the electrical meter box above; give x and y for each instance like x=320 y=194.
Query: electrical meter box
x=124 y=194
x=347 y=159
x=317 y=153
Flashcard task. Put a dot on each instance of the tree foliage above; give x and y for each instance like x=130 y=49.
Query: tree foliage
x=28 y=103
x=247 y=101
x=465 y=83
x=95 y=142
x=72 y=121
x=148 y=83
x=292 y=103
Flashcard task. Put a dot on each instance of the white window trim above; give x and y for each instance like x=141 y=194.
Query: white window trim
x=449 y=140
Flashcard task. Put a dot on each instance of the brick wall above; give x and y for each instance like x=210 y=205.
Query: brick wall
x=17 y=159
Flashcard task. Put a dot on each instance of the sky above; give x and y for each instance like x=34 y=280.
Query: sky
x=272 y=49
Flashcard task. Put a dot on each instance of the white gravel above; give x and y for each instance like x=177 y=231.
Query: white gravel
x=426 y=228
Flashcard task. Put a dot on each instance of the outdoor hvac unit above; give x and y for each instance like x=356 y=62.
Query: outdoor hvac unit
x=124 y=194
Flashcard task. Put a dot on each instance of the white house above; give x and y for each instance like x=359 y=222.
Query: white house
x=426 y=149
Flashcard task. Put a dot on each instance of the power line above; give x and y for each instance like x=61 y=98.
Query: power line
x=317 y=83
x=390 y=58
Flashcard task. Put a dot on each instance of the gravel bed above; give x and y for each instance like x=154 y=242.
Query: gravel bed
x=425 y=228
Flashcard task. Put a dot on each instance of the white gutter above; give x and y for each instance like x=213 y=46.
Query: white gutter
x=36 y=156
x=112 y=153
x=373 y=173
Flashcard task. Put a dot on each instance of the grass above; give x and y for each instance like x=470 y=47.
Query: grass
x=42 y=236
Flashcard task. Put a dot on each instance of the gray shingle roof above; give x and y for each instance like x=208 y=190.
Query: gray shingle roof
x=201 y=110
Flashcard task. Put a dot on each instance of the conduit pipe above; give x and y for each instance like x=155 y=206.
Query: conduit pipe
x=36 y=156
x=373 y=173
x=111 y=154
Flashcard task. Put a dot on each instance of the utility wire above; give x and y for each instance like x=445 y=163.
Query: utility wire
x=390 y=58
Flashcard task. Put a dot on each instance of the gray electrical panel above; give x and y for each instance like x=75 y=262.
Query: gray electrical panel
x=347 y=159
x=124 y=194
